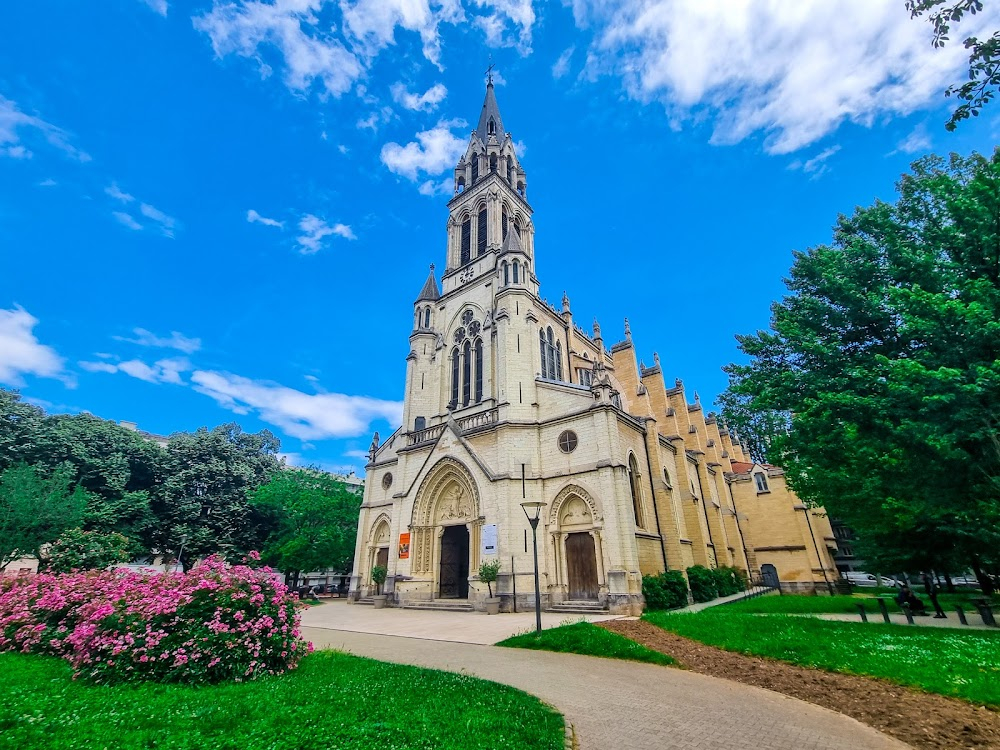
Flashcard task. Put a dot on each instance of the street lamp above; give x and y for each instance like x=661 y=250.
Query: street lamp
x=532 y=510
x=180 y=554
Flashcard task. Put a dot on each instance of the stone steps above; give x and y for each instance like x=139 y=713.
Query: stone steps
x=442 y=605
x=583 y=607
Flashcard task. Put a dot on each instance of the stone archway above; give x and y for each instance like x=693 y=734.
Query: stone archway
x=575 y=525
x=378 y=548
x=446 y=527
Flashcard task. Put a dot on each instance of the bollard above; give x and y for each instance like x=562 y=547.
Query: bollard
x=885 y=610
x=909 y=614
x=861 y=611
x=961 y=615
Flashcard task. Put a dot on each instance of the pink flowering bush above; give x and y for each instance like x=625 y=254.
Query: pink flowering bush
x=214 y=623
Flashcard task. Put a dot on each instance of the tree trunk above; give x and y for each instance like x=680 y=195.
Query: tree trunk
x=985 y=582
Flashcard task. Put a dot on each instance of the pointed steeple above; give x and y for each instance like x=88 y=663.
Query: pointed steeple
x=512 y=244
x=430 y=292
x=490 y=123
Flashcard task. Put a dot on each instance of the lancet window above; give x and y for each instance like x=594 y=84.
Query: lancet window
x=481 y=232
x=466 y=240
x=633 y=483
x=550 y=351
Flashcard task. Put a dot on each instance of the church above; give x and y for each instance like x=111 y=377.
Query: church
x=508 y=400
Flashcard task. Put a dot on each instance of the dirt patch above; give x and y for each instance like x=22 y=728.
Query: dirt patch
x=922 y=720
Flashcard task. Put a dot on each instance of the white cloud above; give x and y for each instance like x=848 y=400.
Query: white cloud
x=434 y=187
x=916 y=142
x=792 y=72
x=126 y=220
x=166 y=222
x=48 y=182
x=374 y=119
x=292 y=27
x=162 y=371
x=817 y=165
x=20 y=351
x=118 y=194
x=561 y=66
x=176 y=340
x=254 y=217
x=434 y=151
x=508 y=23
x=160 y=6
x=314 y=229
x=425 y=102
x=372 y=23
x=301 y=415
x=13 y=122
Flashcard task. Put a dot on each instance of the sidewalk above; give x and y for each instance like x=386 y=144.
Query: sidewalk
x=458 y=627
x=616 y=705
x=875 y=618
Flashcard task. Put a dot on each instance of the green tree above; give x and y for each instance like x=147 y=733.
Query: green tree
x=203 y=501
x=76 y=549
x=20 y=427
x=886 y=352
x=309 y=520
x=984 y=54
x=35 y=509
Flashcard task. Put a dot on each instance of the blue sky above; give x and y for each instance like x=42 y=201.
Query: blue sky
x=216 y=211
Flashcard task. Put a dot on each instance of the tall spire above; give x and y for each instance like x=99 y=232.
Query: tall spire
x=491 y=113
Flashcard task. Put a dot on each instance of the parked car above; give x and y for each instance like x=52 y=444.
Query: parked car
x=857 y=578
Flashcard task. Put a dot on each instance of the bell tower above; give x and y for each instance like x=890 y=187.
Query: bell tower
x=489 y=222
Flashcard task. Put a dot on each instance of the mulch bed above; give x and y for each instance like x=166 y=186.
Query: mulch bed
x=922 y=720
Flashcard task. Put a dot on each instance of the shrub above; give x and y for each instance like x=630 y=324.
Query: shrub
x=76 y=549
x=728 y=581
x=667 y=590
x=703 y=582
x=211 y=624
x=488 y=572
x=379 y=573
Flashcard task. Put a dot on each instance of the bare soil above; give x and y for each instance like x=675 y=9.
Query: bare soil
x=922 y=720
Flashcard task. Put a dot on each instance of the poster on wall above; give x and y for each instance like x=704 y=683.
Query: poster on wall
x=404 y=545
x=489 y=539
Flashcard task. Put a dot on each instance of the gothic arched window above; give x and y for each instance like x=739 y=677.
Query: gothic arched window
x=467 y=373
x=633 y=483
x=491 y=127
x=516 y=266
x=510 y=170
x=427 y=318
x=503 y=224
x=551 y=352
x=493 y=162
x=481 y=232
x=475 y=168
x=559 y=360
x=517 y=226
x=419 y=424
x=506 y=273
x=454 y=377
x=479 y=370
x=542 y=353
x=466 y=240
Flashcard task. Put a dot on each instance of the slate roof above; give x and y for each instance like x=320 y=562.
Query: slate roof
x=430 y=292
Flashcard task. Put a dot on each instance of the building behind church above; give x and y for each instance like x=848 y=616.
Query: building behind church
x=509 y=400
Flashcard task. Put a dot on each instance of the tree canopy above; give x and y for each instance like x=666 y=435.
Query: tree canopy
x=885 y=355
x=984 y=54
x=310 y=519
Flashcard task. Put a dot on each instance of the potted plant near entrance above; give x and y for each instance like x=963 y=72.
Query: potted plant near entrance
x=378 y=578
x=488 y=571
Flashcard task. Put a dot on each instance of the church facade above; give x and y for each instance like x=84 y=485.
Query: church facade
x=507 y=401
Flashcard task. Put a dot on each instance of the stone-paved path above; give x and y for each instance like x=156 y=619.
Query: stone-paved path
x=617 y=705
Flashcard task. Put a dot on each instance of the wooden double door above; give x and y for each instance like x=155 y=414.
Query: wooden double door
x=453 y=580
x=581 y=566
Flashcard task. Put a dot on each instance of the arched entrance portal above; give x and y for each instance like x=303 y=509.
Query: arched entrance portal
x=446 y=528
x=576 y=531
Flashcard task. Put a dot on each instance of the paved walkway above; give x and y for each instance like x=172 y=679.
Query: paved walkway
x=459 y=627
x=875 y=618
x=615 y=704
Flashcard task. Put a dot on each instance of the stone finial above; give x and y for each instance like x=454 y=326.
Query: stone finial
x=373 y=447
x=642 y=365
x=656 y=359
x=597 y=329
x=628 y=330
x=697 y=398
x=678 y=383
x=565 y=302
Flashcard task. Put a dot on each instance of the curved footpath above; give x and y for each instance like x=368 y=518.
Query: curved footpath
x=616 y=704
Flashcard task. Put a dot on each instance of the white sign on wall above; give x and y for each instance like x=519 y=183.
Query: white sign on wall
x=489 y=539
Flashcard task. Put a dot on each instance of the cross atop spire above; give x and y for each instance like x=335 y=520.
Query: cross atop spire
x=489 y=72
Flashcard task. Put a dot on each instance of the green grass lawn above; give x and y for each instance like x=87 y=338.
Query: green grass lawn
x=963 y=664
x=588 y=639
x=804 y=604
x=332 y=700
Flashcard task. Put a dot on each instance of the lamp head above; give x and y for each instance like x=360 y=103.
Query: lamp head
x=532 y=509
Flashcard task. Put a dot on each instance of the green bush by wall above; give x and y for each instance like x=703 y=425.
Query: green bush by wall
x=667 y=590
x=703 y=582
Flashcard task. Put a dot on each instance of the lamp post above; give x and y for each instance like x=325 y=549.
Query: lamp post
x=532 y=510
x=181 y=553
